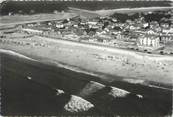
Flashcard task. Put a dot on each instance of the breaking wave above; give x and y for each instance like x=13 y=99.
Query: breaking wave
x=58 y=64
x=16 y=54
x=83 y=71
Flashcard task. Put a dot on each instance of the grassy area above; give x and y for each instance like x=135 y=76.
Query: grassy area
x=83 y=12
x=19 y=19
x=131 y=10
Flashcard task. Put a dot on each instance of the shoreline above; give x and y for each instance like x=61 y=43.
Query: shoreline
x=58 y=64
x=88 y=87
x=48 y=58
x=101 y=76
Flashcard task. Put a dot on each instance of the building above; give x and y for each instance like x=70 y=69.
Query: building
x=166 y=37
x=153 y=24
x=167 y=30
x=148 y=42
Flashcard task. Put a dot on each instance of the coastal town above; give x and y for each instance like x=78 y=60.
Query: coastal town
x=144 y=32
x=86 y=58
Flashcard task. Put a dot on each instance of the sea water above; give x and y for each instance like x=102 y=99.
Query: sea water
x=30 y=88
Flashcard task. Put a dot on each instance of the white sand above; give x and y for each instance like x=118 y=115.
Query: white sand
x=128 y=64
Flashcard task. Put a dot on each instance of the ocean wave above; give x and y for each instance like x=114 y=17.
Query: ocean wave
x=134 y=81
x=58 y=64
x=10 y=52
x=77 y=69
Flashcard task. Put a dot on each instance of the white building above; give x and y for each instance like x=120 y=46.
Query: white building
x=166 y=37
x=149 y=42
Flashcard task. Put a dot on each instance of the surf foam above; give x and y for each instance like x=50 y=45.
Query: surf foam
x=10 y=52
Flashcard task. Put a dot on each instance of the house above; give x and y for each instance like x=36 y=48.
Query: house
x=92 y=22
x=59 y=25
x=145 y=25
x=164 y=25
x=119 y=36
x=92 y=40
x=103 y=40
x=94 y=27
x=114 y=20
x=105 y=36
x=115 y=32
x=167 y=30
x=150 y=32
x=132 y=27
x=166 y=34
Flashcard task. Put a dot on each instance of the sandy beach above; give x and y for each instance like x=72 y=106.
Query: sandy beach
x=101 y=60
